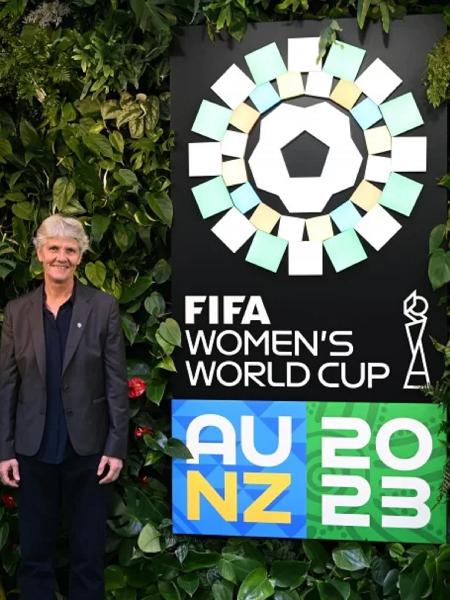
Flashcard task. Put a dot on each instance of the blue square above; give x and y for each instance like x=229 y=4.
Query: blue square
x=245 y=198
x=345 y=216
x=237 y=446
x=264 y=97
x=366 y=113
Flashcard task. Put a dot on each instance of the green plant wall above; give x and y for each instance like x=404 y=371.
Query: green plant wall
x=85 y=130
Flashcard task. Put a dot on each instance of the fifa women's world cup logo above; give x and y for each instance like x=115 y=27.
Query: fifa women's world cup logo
x=377 y=203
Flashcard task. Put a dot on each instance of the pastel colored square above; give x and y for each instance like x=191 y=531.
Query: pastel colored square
x=266 y=251
x=245 y=198
x=344 y=60
x=366 y=113
x=378 y=81
x=291 y=228
x=212 y=120
x=346 y=93
x=319 y=228
x=319 y=84
x=212 y=197
x=233 y=229
x=234 y=143
x=377 y=227
x=265 y=218
x=366 y=195
x=265 y=63
x=378 y=168
x=303 y=54
x=305 y=258
x=400 y=194
x=234 y=172
x=401 y=114
x=205 y=159
x=345 y=250
x=264 y=97
x=409 y=154
x=233 y=87
x=345 y=216
x=244 y=117
x=290 y=85
x=378 y=140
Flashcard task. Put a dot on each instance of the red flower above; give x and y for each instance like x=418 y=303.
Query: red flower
x=136 y=387
x=141 y=430
x=9 y=501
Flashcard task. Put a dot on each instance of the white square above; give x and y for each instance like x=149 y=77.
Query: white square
x=291 y=229
x=378 y=81
x=233 y=229
x=305 y=258
x=319 y=84
x=234 y=172
x=234 y=143
x=205 y=158
x=303 y=53
x=233 y=87
x=377 y=227
x=409 y=154
x=378 y=168
x=378 y=139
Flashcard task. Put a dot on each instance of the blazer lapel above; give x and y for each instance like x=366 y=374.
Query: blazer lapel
x=80 y=313
x=36 y=322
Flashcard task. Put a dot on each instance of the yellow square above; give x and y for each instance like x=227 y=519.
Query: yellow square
x=346 y=93
x=234 y=172
x=290 y=85
x=319 y=228
x=264 y=218
x=378 y=139
x=244 y=117
x=366 y=195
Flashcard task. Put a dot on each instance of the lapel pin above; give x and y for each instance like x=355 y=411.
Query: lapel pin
x=79 y=325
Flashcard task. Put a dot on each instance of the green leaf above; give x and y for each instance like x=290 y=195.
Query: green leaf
x=99 y=225
x=385 y=16
x=170 y=331
x=23 y=210
x=63 y=190
x=189 y=582
x=4 y=534
x=98 y=144
x=130 y=328
x=438 y=268
x=317 y=554
x=363 y=7
x=342 y=587
x=167 y=364
x=28 y=135
x=155 y=304
x=437 y=236
x=235 y=568
x=136 y=289
x=5 y=148
x=116 y=140
x=350 y=557
x=176 y=449
x=148 y=540
x=196 y=561
x=256 y=586
x=168 y=590
x=161 y=205
x=414 y=582
x=115 y=578
x=161 y=271
x=288 y=573
x=126 y=178
x=285 y=595
x=96 y=273
x=222 y=590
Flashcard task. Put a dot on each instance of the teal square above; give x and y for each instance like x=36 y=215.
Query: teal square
x=265 y=63
x=401 y=114
x=366 y=113
x=212 y=197
x=245 y=198
x=346 y=216
x=266 y=251
x=400 y=194
x=343 y=61
x=212 y=120
x=264 y=97
x=345 y=250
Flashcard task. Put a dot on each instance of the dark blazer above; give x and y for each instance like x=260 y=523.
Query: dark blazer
x=94 y=381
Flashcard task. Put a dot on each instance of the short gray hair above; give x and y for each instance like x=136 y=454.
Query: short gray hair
x=60 y=226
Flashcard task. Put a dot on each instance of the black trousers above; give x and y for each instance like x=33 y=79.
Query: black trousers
x=43 y=488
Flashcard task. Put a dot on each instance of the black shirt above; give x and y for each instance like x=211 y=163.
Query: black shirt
x=55 y=442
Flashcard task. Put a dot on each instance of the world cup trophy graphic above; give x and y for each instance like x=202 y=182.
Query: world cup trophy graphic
x=415 y=308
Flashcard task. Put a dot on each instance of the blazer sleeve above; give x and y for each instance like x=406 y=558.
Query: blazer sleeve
x=116 y=386
x=9 y=383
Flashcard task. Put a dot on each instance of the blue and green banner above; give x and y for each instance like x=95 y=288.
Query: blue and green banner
x=324 y=470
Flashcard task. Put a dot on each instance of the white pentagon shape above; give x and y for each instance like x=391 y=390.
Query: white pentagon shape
x=305 y=194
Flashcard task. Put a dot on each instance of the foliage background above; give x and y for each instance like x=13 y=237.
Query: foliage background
x=84 y=129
